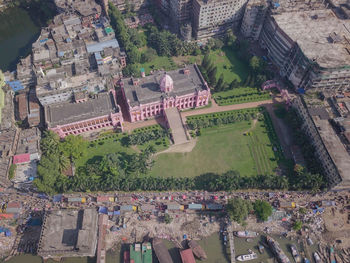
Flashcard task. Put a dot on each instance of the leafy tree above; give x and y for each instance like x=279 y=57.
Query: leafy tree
x=167 y=219
x=220 y=85
x=254 y=63
x=74 y=147
x=49 y=144
x=206 y=62
x=131 y=70
x=302 y=210
x=262 y=209
x=12 y=171
x=230 y=38
x=212 y=75
x=297 y=225
x=238 y=209
x=134 y=56
x=234 y=84
x=2 y=79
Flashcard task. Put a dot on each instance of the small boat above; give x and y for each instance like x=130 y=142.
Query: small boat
x=295 y=254
x=306 y=260
x=331 y=255
x=246 y=234
x=197 y=250
x=317 y=257
x=277 y=251
x=261 y=248
x=126 y=257
x=247 y=257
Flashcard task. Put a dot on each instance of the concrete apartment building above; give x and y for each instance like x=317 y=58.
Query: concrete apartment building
x=329 y=149
x=212 y=18
x=253 y=19
x=309 y=43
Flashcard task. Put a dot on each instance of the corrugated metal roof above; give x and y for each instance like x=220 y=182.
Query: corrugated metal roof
x=214 y=206
x=195 y=206
x=98 y=47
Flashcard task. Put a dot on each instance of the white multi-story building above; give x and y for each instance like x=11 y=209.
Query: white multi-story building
x=215 y=17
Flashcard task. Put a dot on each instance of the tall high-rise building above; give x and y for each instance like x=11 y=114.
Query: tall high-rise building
x=215 y=17
x=180 y=12
x=253 y=18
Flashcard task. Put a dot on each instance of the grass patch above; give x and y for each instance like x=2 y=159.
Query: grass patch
x=164 y=63
x=220 y=149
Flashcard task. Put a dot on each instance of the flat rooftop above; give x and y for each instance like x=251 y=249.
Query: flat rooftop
x=67 y=233
x=69 y=112
x=148 y=90
x=319 y=34
x=335 y=148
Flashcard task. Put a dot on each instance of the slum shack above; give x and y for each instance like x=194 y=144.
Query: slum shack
x=214 y=206
x=195 y=206
x=287 y=205
x=161 y=251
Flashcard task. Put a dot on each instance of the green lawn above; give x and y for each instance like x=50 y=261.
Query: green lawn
x=220 y=149
x=229 y=65
x=165 y=63
x=226 y=61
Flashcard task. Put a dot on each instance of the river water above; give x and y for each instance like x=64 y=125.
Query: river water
x=17 y=33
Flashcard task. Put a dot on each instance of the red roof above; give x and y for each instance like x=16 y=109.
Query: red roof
x=21 y=158
x=14 y=205
x=103 y=198
x=187 y=256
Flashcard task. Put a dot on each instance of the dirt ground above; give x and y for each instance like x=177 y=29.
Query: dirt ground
x=194 y=225
x=337 y=227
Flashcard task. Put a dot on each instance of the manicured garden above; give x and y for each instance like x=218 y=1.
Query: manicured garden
x=236 y=142
x=113 y=142
x=240 y=95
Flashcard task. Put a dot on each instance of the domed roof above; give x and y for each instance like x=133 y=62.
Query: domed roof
x=166 y=83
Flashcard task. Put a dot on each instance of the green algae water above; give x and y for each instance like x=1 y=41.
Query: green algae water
x=17 y=33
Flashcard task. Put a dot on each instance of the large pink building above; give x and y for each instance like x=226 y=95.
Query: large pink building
x=84 y=115
x=150 y=96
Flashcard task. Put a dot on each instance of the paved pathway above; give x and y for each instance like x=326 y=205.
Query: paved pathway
x=128 y=126
x=232 y=244
x=175 y=123
x=216 y=108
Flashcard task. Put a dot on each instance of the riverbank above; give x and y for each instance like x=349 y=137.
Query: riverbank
x=20 y=26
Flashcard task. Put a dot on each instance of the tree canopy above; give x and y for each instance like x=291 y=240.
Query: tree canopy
x=238 y=209
x=262 y=209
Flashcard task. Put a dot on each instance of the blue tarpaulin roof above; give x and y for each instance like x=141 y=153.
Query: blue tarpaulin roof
x=116 y=212
x=34 y=222
x=103 y=210
x=276 y=5
x=301 y=91
x=57 y=198
x=15 y=85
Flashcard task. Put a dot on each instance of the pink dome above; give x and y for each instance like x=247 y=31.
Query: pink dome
x=166 y=83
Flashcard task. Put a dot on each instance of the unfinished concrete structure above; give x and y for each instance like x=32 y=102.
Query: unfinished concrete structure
x=309 y=44
x=254 y=16
x=329 y=148
x=69 y=233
